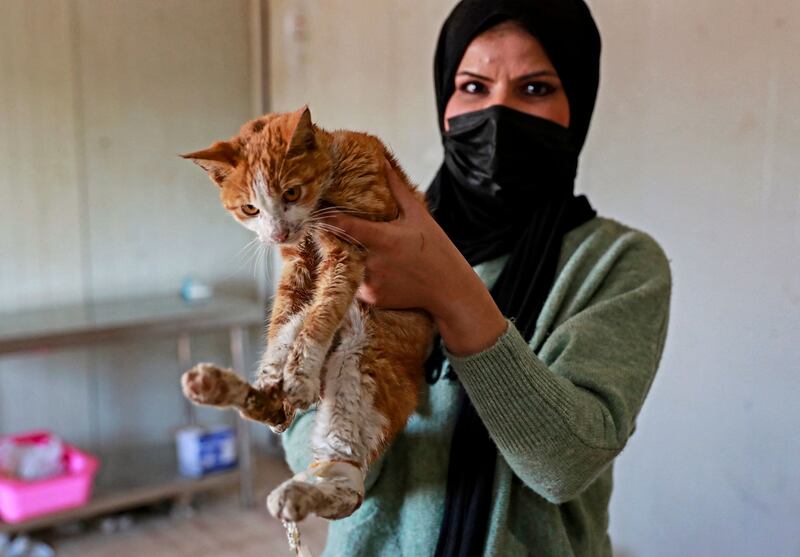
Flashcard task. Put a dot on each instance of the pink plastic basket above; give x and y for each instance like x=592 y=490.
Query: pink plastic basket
x=21 y=500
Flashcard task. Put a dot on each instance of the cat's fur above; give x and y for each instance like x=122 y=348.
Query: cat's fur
x=362 y=366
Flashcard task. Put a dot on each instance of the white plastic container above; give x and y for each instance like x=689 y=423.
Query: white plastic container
x=203 y=450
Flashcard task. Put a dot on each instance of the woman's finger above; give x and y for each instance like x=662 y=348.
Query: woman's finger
x=365 y=295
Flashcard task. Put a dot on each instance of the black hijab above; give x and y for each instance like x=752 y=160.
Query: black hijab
x=506 y=187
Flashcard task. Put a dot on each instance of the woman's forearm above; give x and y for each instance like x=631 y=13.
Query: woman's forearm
x=467 y=318
x=536 y=417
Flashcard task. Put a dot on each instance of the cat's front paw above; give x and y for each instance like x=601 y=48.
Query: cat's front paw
x=207 y=384
x=273 y=362
x=301 y=376
x=301 y=391
x=270 y=377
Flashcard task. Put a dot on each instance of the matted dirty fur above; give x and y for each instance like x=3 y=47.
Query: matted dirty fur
x=363 y=367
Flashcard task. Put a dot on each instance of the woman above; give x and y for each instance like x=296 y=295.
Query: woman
x=552 y=320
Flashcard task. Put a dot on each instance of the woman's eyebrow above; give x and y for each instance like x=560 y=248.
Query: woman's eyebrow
x=539 y=73
x=475 y=75
x=532 y=75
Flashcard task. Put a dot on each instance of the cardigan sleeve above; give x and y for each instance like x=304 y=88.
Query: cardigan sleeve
x=558 y=425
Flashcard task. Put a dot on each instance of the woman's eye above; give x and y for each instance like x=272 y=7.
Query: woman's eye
x=250 y=210
x=473 y=87
x=538 y=89
x=291 y=195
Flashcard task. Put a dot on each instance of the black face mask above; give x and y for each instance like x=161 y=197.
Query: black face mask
x=499 y=166
x=505 y=187
x=506 y=156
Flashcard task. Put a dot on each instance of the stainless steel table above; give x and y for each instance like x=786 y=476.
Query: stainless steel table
x=120 y=321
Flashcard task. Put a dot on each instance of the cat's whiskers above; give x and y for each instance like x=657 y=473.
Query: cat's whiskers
x=323 y=219
x=252 y=260
x=246 y=255
x=244 y=251
x=243 y=258
x=268 y=262
x=336 y=231
x=342 y=233
x=260 y=260
x=257 y=263
x=249 y=244
x=338 y=210
x=328 y=211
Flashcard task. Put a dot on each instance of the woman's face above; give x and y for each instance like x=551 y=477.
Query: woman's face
x=507 y=65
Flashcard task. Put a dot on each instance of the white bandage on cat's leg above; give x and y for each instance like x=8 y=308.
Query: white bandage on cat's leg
x=328 y=489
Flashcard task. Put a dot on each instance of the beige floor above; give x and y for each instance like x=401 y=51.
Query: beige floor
x=218 y=528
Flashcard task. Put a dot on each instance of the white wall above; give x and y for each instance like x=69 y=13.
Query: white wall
x=96 y=100
x=362 y=65
x=695 y=140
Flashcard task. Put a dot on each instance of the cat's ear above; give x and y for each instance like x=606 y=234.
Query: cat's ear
x=218 y=160
x=303 y=136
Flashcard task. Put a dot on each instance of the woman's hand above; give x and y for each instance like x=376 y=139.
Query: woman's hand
x=411 y=263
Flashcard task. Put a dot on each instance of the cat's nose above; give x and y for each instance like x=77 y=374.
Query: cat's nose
x=279 y=235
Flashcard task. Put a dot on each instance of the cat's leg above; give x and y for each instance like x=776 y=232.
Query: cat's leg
x=329 y=489
x=372 y=385
x=264 y=402
x=340 y=271
x=207 y=384
x=348 y=431
x=292 y=295
x=270 y=375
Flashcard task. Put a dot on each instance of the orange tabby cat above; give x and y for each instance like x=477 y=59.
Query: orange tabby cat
x=363 y=366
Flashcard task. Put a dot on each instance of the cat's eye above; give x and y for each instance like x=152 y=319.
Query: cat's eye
x=291 y=195
x=250 y=210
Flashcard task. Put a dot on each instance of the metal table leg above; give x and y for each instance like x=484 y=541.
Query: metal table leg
x=184 y=363
x=237 y=335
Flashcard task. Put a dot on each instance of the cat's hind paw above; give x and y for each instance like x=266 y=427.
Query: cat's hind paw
x=330 y=490
x=293 y=500
x=207 y=384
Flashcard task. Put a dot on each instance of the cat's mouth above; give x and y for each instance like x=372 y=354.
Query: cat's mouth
x=288 y=239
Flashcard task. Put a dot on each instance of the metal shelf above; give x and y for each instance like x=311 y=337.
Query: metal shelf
x=138 y=476
x=128 y=479
x=121 y=320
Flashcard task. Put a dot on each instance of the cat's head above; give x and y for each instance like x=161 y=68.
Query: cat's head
x=272 y=175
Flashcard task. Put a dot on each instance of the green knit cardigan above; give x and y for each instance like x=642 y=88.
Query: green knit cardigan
x=559 y=408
